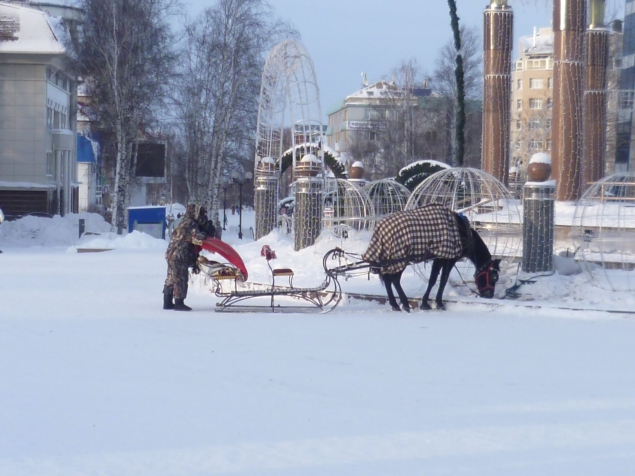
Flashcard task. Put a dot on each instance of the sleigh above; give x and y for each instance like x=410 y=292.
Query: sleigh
x=237 y=294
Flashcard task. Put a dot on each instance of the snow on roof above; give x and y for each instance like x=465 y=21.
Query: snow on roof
x=32 y=31
x=381 y=89
x=541 y=43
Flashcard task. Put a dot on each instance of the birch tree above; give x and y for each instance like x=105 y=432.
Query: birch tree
x=124 y=56
x=219 y=89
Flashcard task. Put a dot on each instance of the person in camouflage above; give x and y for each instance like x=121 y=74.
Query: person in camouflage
x=182 y=254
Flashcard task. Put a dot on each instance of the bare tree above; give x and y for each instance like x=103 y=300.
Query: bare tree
x=219 y=88
x=124 y=55
x=445 y=84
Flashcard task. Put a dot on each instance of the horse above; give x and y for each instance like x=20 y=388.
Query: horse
x=432 y=232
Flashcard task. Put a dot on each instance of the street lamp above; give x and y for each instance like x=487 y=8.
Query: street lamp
x=224 y=186
x=240 y=183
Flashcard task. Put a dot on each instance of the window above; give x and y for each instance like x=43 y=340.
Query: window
x=518 y=124
x=549 y=102
x=49 y=117
x=517 y=145
x=550 y=83
x=372 y=135
x=548 y=123
x=535 y=83
x=49 y=163
x=626 y=100
x=534 y=124
x=617 y=63
x=519 y=65
x=519 y=84
x=519 y=104
x=535 y=145
x=548 y=144
x=535 y=103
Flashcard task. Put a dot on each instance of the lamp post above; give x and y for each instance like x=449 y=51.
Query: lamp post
x=240 y=182
x=224 y=186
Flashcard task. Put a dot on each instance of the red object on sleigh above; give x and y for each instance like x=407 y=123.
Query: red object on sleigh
x=215 y=245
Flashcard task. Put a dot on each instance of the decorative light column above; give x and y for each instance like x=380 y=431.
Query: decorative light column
x=497 y=56
x=569 y=27
x=595 y=96
x=266 y=197
x=538 y=215
x=307 y=215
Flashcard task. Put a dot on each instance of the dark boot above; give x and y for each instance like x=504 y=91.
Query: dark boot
x=167 y=300
x=179 y=305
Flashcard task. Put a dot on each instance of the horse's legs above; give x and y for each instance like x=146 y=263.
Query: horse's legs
x=396 y=281
x=434 y=274
x=388 y=279
x=447 y=267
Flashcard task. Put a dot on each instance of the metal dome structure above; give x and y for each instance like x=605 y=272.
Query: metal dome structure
x=347 y=207
x=486 y=202
x=387 y=196
x=289 y=98
x=603 y=231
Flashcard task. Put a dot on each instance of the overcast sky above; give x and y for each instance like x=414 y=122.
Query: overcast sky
x=348 y=37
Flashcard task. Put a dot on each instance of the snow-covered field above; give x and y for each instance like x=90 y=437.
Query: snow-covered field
x=97 y=379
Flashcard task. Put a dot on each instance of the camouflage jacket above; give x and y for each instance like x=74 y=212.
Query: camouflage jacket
x=182 y=247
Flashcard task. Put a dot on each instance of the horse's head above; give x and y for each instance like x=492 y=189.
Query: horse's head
x=486 y=278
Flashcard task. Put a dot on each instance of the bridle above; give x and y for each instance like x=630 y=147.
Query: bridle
x=491 y=277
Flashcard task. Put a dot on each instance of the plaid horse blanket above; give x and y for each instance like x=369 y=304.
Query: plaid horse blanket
x=413 y=236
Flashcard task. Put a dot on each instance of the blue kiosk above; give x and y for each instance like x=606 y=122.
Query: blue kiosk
x=150 y=220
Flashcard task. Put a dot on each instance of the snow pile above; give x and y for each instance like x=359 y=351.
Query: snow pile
x=131 y=241
x=56 y=231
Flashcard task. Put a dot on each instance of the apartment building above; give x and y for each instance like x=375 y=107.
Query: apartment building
x=532 y=95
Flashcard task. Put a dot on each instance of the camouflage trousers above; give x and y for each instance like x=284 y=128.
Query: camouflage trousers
x=177 y=279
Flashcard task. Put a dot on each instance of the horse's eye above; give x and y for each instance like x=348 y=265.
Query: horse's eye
x=493 y=276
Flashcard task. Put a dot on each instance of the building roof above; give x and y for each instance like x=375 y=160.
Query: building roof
x=24 y=30
x=540 y=43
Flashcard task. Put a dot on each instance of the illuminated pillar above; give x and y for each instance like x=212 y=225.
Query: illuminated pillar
x=307 y=215
x=266 y=197
x=595 y=96
x=569 y=26
x=497 y=52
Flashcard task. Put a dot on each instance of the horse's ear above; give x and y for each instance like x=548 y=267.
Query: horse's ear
x=497 y=263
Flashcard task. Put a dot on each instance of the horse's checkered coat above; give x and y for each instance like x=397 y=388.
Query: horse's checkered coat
x=414 y=236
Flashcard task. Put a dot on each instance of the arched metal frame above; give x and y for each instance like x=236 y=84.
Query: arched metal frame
x=387 y=197
x=290 y=97
x=603 y=231
x=347 y=208
x=486 y=202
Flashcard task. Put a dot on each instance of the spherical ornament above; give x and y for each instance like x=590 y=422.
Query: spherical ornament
x=347 y=208
x=356 y=171
x=486 y=202
x=539 y=168
x=388 y=196
x=604 y=232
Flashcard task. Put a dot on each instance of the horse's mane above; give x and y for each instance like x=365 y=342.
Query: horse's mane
x=481 y=253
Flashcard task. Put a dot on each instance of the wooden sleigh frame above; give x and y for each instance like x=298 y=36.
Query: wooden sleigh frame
x=238 y=295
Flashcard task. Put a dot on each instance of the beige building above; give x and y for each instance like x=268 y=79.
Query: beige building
x=38 y=168
x=532 y=93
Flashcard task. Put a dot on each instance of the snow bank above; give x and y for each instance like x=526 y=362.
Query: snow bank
x=56 y=231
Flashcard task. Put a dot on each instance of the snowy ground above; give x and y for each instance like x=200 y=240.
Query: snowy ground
x=98 y=380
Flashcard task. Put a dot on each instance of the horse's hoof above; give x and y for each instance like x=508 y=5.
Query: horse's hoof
x=407 y=309
x=440 y=306
x=396 y=308
x=425 y=306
